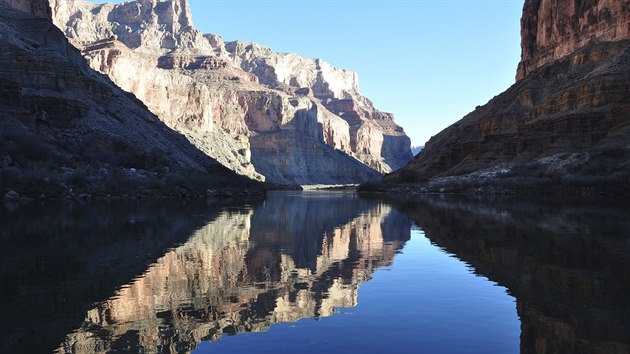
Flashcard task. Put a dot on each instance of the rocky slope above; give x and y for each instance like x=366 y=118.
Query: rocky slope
x=37 y=8
x=67 y=129
x=565 y=122
x=306 y=125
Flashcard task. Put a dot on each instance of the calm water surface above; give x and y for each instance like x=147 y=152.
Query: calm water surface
x=316 y=272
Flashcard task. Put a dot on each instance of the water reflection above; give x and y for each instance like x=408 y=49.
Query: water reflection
x=56 y=260
x=567 y=263
x=291 y=257
x=166 y=276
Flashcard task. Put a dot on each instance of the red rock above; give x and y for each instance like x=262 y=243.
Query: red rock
x=572 y=99
x=553 y=29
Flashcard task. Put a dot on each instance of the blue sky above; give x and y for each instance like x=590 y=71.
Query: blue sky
x=429 y=62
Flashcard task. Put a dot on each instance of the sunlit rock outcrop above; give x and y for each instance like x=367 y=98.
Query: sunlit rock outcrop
x=235 y=114
x=551 y=30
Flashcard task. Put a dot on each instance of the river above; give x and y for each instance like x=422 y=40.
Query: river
x=316 y=272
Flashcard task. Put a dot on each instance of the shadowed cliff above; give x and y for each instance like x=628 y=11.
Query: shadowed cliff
x=67 y=130
x=562 y=127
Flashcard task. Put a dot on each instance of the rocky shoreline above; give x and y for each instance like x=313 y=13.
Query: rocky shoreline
x=535 y=178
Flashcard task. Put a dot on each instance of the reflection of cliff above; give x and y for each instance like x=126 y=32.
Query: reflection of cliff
x=567 y=265
x=290 y=258
x=56 y=260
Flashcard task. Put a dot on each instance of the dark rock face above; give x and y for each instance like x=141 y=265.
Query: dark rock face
x=553 y=29
x=65 y=127
x=37 y=8
x=576 y=101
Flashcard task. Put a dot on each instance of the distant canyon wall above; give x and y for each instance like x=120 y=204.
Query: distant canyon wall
x=553 y=29
x=225 y=97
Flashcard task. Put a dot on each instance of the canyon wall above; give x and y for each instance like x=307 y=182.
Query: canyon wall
x=374 y=137
x=37 y=8
x=566 y=119
x=66 y=128
x=553 y=29
x=225 y=105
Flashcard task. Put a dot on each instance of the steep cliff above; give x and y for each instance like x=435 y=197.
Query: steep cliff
x=374 y=137
x=565 y=122
x=552 y=29
x=67 y=130
x=224 y=106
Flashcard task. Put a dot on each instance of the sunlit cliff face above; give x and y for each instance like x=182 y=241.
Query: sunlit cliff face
x=240 y=273
x=270 y=116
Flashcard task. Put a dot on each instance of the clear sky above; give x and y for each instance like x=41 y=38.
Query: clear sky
x=429 y=62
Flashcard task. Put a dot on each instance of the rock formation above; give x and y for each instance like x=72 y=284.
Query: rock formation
x=374 y=137
x=309 y=126
x=551 y=30
x=66 y=128
x=37 y=8
x=566 y=119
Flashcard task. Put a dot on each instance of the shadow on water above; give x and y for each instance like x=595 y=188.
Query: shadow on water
x=56 y=260
x=567 y=263
x=164 y=276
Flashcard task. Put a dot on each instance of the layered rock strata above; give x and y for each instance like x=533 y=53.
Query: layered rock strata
x=67 y=128
x=566 y=119
x=224 y=106
x=551 y=30
x=374 y=137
